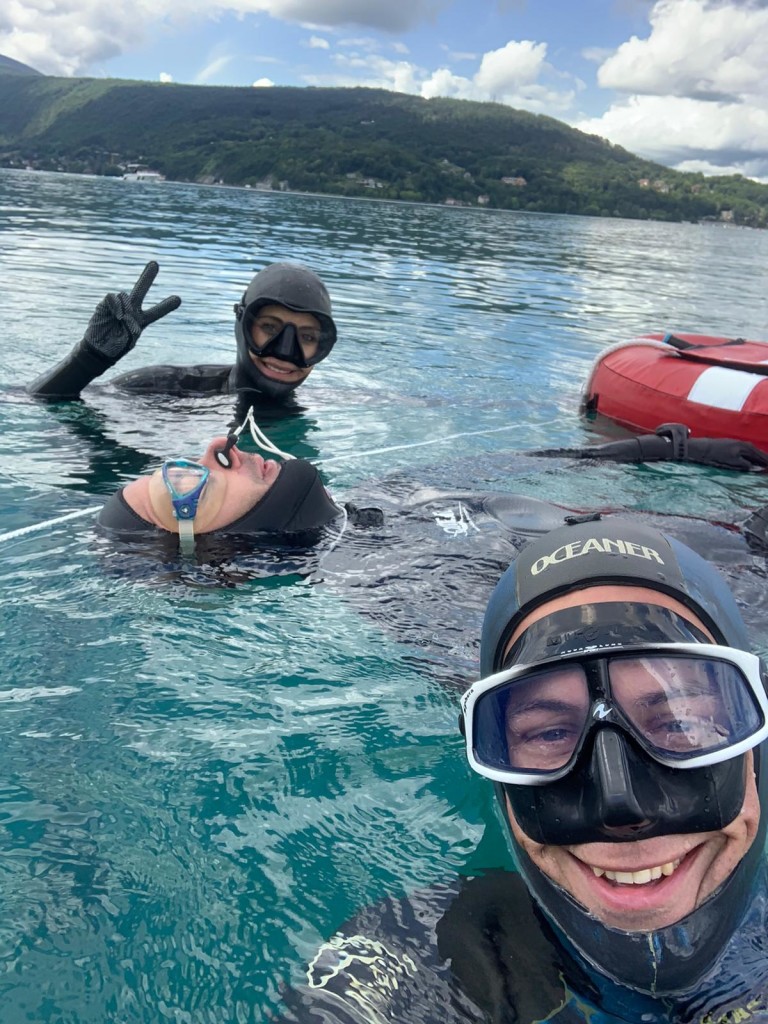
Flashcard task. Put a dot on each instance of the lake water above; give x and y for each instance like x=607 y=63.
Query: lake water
x=198 y=783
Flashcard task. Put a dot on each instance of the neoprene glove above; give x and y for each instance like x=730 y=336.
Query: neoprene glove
x=726 y=453
x=671 y=442
x=119 y=319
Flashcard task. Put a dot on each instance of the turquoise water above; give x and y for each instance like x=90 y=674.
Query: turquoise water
x=198 y=783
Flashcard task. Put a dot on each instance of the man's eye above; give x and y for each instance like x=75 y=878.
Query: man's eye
x=309 y=336
x=269 y=327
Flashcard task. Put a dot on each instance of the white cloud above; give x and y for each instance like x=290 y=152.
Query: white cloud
x=400 y=48
x=518 y=63
x=372 y=71
x=673 y=130
x=749 y=168
x=509 y=75
x=697 y=48
x=696 y=87
x=165 y=77
x=596 y=54
x=317 y=43
x=67 y=37
x=263 y=83
x=460 y=54
x=444 y=83
x=364 y=43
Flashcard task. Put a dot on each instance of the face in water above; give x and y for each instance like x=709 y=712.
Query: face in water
x=640 y=884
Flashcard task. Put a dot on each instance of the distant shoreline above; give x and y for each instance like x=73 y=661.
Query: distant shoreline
x=372 y=199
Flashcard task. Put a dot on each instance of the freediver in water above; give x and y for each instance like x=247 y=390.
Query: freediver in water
x=196 y=506
x=623 y=721
x=227 y=484
x=283 y=328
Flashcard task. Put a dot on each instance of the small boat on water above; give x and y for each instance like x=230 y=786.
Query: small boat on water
x=143 y=174
x=717 y=387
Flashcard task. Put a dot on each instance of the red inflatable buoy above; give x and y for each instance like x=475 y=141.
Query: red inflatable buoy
x=717 y=387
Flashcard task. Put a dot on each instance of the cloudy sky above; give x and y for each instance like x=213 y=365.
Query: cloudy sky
x=684 y=82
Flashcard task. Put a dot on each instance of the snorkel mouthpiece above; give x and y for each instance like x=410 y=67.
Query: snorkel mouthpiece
x=222 y=454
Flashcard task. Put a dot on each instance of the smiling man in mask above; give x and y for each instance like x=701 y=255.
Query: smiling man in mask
x=623 y=722
x=283 y=328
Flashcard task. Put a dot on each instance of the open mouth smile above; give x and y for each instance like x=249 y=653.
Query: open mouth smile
x=282 y=370
x=642 y=877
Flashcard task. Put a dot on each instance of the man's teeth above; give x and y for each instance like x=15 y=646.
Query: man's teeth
x=637 y=877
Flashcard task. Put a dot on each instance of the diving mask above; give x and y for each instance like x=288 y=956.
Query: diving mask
x=185 y=481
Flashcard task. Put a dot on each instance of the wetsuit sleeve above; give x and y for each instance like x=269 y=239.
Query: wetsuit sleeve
x=646 y=448
x=71 y=375
x=75 y=372
x=671 y=442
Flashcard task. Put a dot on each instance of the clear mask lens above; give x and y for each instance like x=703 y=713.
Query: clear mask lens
x=685 y=708
x=185 y=481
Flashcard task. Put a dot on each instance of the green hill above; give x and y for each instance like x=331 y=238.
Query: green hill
x=356 y=142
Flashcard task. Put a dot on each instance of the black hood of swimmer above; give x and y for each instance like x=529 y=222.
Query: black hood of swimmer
x=612 y=550
x=296 y=503
x=297 y=288
x=607 y=551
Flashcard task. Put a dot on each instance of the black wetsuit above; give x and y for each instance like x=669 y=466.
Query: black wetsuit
x=478 y=951
x=74 y=373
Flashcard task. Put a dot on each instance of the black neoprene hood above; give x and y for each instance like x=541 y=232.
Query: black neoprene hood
x=296 y=287
x=607 y=551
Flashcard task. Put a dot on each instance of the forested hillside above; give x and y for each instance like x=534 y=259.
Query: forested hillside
x=361 y=142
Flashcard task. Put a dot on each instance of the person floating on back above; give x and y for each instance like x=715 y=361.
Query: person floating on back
x=225 y=493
